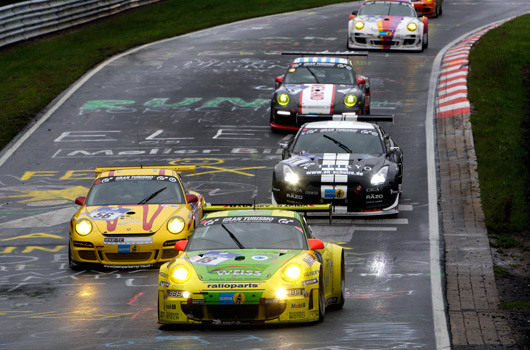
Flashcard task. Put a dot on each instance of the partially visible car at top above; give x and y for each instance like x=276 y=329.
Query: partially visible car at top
x=387 y=25
x=429 y=8
x=318 y=84
x=356 y=166
x=132 y=217
x=257 y=265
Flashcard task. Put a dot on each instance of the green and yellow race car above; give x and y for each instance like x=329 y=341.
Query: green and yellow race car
x=258 y=265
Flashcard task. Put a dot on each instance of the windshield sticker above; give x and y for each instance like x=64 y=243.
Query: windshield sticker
x=135 y=178
x=212 y=258
x=107 y=213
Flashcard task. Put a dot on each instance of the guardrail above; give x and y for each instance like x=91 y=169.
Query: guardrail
x=25 y=20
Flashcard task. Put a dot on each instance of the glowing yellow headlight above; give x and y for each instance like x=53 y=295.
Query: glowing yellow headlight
x=83 y=227
x=281 y=293
x=283 y=99
x=412 y=26
x=180 y=274
x=350 y=100
x=359 y=25
x=176 y=225
x=292 y=273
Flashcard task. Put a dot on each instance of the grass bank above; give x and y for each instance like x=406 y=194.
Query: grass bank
x=34 y=73
x=499 y=91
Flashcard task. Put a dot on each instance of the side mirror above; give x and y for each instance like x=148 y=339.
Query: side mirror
x=191 y=198
x=80 y=200
x=315 y=244
x=361 y=80
x=394 y=149
x=181 y=245
x=278 y=81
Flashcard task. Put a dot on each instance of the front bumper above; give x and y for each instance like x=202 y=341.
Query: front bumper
x=357 y=40
x=254 y=307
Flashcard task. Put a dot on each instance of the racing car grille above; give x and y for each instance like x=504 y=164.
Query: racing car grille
x=169 y=254
x=388 y=43
x=128 y=256
x=87 y=254
x=234 y=312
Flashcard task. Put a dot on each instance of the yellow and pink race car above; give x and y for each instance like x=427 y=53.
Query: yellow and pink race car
x=132 y=217
x=256 y=265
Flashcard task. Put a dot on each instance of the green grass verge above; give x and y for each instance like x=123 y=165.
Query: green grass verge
x=33 y=74
x=500 y=96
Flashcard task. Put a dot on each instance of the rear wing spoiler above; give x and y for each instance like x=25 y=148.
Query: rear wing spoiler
x=176 y=168
x=307 y=118
x=326 y=53
x=304 y=208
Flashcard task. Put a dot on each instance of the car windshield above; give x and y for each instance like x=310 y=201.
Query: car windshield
x=248 y=232
x=319 y=75
x=127 y=190
x=363 y=141
x=387 y=9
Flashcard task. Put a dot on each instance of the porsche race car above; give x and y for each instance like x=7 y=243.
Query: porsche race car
x=256 y=265
x=132 y=217
x=352 y=164
x=429 y=8
x=387 y=25
x=318 y=83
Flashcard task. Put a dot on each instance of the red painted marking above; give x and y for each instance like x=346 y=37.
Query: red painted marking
x=133 y=299
x=143 y=311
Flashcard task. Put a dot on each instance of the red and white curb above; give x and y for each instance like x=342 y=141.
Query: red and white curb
x=452 y=87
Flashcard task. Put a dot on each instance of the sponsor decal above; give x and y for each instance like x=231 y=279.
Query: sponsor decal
x=172 y=316
x=127 y=240
x=237 y=273
x=373 y=189
x=374 y=196
x=163 y=274
x=294 y=196
x=212 y=258
x=164 y=284
x=309 y=282
x=297 y=315
x=298 y=306
x=260 y=257
x=174 y=293
x=144 y=266
x=124 y=248
x=309 y=260
x=107 y=213
x=231 y=298
x=312 y=273
x=232 y=285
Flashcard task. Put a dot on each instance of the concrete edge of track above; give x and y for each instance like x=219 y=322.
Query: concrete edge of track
x=440 y=312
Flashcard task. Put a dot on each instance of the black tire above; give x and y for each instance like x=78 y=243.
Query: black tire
x=321 y=300
x=425 y=42
x=340 y=304
x=74 y=265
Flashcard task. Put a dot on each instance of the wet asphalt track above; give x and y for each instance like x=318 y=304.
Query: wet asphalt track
x=204 y=98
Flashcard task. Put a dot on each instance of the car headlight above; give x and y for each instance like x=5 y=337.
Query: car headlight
x=291 y=273
x=379 y=177
x=176 y=225
x=83 y=227
x=289 y=175
x=359 y=25
x=180 y=274
x=412 y=26
x=283 y=99
x=350 y=100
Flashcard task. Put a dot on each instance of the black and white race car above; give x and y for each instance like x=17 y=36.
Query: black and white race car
x=352 y=164
x=320 y=83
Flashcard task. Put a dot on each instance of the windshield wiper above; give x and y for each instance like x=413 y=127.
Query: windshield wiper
x=313 y=74
x=151 y=196
x=338 y=143
x=233 y=237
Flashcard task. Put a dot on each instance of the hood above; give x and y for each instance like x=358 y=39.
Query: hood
x=239 y=264
x=333 y=164
x=134 y=219
x=320 y=98
x=386 y=26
